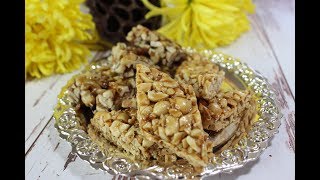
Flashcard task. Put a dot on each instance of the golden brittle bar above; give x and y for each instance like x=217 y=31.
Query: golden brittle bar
x=204 y=76
x=168 y=115
x=159 y=48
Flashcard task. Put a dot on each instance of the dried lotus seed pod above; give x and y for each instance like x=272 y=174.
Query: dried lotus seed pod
x=115 y=18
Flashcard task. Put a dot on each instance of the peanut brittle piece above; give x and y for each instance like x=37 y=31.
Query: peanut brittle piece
x=168 y=115
x=226 y=108
x=102 y=89
x=88 y=85
x=124 y=58
x=237 y=130
x=159 y=48
x=120 y=93
x=120 y=128
x=105 y=145
x=204 y=76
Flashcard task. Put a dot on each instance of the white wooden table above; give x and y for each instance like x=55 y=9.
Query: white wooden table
x=268 y=47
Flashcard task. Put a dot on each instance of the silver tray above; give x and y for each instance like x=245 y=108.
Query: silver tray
x=249 y=148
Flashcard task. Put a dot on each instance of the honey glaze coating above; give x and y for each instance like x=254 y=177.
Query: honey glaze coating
x=154 y=116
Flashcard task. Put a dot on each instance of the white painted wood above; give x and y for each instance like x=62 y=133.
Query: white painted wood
x=41 y=97
x=48 y=157
x=278 y=21
x=268 y=48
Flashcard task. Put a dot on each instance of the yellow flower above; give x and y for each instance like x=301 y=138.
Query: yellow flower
x=202 y=24
x=55 y=31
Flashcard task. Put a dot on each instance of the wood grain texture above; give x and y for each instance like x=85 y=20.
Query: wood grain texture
x=277 y=19
x=51 y=158
x=268 y=47
x=41 y=97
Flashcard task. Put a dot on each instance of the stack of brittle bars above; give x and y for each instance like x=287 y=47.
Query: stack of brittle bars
x=157 y=103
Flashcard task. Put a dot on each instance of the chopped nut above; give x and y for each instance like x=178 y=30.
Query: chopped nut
x=185 y=122
x=161 y=107
x=183 y=105
x=175 y=113
x=185 y=144
x=146 y=143
x=196 y=133
x=129 y=103
x=158 y=86
x=122 y=116
x=115 y=128
x=106 y=100
x=147 y=126
x=162 y=133
x=145 y=78
x=170 y=84
x=223 y=103
x=215 y=108
x=146 y=110
x=179 y=92
x=172 y=125
x=170 y=91
x=156 y=96
x=177 y=137
x=87 y=98
x=192 y=143
x=144 y=98
x=145 y=86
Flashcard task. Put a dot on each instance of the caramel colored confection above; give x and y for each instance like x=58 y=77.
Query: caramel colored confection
x=141 y=112
x=124 y=58
x=102 y=89
x=204 y=76
x=168 y=115
x=120 y=128
x=111 y=88
x=159 y=48
x=227 y=107
x=87 y=86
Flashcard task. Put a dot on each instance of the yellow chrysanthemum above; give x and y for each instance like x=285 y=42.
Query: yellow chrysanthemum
x=202 y=23
x=54 y=32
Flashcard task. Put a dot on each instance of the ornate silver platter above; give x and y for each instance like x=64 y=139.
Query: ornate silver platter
x=249 y=148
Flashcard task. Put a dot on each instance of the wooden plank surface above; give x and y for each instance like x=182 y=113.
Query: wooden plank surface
x=51 y=158
x=268 y=48
x=278 y=28
x=41 y=97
